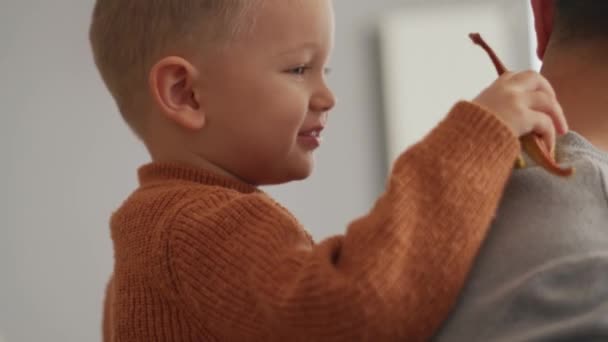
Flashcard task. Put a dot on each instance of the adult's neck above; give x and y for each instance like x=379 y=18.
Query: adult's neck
x=579 y=75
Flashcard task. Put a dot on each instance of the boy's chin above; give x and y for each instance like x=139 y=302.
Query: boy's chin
x=304 y=170
x=296 y=173
x=302 y=175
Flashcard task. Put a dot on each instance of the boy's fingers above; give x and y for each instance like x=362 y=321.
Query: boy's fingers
x=533 y=81
x=546 y=129
x=542 y=102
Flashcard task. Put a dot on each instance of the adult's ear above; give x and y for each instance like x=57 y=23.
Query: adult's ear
x=544 y=14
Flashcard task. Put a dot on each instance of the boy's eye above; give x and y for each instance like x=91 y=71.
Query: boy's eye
x=301 y=70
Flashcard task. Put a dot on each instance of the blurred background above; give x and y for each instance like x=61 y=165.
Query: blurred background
x=68 y=161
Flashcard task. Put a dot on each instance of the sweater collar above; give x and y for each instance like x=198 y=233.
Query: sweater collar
x=158 y=172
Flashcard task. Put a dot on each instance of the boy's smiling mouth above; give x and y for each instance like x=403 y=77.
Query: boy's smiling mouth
x=311 y=138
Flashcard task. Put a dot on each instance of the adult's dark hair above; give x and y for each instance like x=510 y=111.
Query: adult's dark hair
x=577 y=20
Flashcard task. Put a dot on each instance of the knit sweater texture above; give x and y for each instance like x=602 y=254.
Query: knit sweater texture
x=199 y=257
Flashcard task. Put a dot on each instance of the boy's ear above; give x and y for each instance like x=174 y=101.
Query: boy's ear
x=544 y=11
x=172 y=84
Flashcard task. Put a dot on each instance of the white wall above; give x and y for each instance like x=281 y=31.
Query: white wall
x=429 y=62
x=68 y=161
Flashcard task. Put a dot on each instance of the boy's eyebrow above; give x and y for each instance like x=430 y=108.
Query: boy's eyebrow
x=301 y=47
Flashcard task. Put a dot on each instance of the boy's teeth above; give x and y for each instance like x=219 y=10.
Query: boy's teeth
x=314 y=134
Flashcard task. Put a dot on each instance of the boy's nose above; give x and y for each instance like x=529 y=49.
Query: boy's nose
x=324 y=100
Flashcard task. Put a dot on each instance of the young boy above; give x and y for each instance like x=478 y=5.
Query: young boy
x=231 y=95
x=542 y=274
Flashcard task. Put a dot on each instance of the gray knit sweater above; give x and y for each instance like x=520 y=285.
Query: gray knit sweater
x=542 y=274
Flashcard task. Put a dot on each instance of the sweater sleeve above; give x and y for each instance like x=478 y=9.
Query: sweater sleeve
x=247 y=270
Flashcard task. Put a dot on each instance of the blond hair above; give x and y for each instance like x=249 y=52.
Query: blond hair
x=129 y=36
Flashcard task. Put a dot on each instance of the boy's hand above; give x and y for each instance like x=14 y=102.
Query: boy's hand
x=526 y=102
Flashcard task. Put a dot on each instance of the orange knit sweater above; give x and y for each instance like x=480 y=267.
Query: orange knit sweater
x=203 y=258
